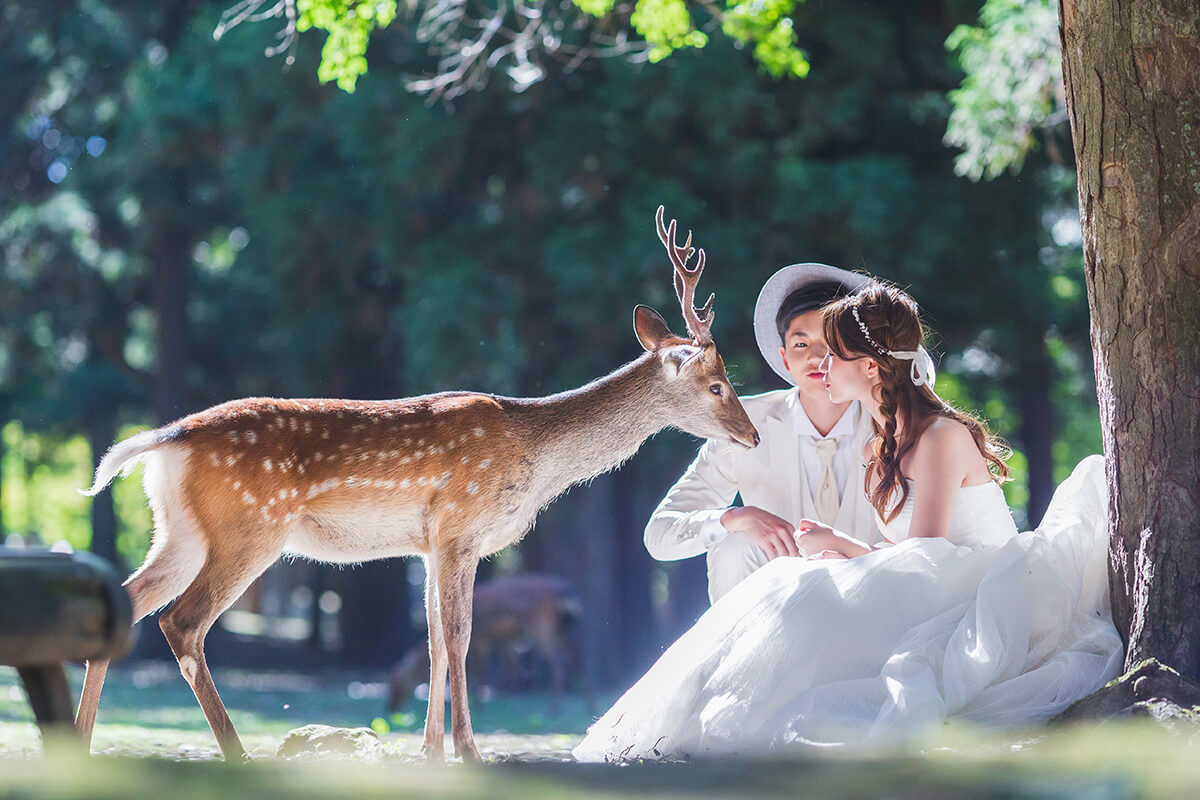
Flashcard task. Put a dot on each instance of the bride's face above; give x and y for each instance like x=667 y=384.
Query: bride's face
x=849 y=380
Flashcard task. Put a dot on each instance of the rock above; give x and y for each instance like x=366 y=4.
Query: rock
x=324 y=741
x=1150 y=690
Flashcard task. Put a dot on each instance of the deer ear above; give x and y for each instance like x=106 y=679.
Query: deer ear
x=651 y=329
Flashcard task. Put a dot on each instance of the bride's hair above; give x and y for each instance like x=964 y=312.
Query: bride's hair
x=892 y=322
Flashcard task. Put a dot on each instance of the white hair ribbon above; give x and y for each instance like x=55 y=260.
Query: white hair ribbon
x=923 y=372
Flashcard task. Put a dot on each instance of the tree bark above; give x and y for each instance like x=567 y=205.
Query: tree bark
x=1132 y=74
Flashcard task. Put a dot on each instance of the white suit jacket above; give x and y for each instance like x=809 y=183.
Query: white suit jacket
x=770 y=476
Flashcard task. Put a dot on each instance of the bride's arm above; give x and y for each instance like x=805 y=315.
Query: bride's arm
x=813 y=539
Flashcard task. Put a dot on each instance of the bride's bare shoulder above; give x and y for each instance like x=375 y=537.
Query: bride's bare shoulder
x=945 y=439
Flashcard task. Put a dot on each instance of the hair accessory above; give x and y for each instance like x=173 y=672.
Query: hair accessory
x=863 y=328
x=923 y=371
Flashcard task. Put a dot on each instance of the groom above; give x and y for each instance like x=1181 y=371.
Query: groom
x=809 y=464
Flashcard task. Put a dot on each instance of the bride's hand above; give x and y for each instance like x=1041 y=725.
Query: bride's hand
x=812 y=538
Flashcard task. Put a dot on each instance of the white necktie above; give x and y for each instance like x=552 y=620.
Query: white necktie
x=826 y=499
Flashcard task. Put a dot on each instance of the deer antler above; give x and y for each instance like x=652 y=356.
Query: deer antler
x=699 y=321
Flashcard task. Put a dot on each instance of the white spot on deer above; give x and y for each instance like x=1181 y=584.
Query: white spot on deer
x=420 y=442
x=472 y=488
x=451 y=444
x=419 y=454
x=248 y=498
x=462 y=438
x=508 y=434
x=230 y=461
x=212 y=459
x=295 y=492
x=407 y=442
x=187 y=666
x=466 y=459
x=325 y=433
x=301 y=468
x=267 y=465
x=332 y=459
x=233 y=436
x=292 y=423
x=318 y=456
x=421 y=481
x=251 y=437
x=270 y=503
x=479 y=433
x=452 y=506
x=442 y=480
x=344 y=446
x=307 y=426
x=487 y=462
x=279 y=422
x=385 y=484
x=237 y=484
x=406 y=459
x=404 y=483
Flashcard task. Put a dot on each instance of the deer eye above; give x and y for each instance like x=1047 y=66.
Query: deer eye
x=715 y=389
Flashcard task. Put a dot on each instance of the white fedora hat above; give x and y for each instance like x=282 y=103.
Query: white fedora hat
x=776 y=290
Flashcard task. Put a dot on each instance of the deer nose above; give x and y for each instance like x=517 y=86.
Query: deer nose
x=756 y=439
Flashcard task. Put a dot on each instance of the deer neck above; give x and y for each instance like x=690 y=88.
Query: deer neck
x=579 y=434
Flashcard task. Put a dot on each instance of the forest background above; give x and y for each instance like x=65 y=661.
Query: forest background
x=184 y=221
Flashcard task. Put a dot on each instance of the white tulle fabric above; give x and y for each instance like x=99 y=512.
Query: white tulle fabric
x=988 y=624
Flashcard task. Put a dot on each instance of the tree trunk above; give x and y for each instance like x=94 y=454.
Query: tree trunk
x=101 y=430
x=1132 y=73
x=1037 y=425
x=171 y=281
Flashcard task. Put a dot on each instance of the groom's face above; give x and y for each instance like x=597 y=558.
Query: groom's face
x=802 y=351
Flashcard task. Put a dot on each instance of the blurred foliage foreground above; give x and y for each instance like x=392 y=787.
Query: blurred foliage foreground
x=1111 y=760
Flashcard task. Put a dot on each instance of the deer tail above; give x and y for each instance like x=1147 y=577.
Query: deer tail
x=123 y=457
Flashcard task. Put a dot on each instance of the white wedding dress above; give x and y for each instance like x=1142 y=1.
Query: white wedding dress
x=987 y=624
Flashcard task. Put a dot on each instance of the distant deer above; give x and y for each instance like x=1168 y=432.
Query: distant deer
x=453 y=477
x=510 y=613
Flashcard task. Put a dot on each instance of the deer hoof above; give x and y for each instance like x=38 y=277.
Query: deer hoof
x=433 y=755
x=469 y=753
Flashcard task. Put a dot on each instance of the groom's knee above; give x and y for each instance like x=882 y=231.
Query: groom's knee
x=730 y=561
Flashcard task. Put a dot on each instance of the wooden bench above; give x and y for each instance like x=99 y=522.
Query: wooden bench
x=57 y=607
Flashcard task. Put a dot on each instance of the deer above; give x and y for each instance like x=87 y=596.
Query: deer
x=510 y=613
x=451 y=477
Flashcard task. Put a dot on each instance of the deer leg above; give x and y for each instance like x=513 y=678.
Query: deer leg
x=165 y=573
x=434 y=745
x=89 y=699
x=456 y=583
x=221 y=581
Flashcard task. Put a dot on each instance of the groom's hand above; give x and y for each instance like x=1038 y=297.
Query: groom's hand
x=773 y=534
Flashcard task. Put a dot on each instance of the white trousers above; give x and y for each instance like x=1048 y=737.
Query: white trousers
x=730 y=561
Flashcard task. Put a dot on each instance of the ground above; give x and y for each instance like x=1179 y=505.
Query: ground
x=151 y=735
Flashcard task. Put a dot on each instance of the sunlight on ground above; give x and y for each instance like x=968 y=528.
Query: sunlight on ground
x=151 y=733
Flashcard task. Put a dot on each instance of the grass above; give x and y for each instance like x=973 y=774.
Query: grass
x=153 y=742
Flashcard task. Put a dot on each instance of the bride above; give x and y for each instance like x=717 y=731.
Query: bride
x=956 y=615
